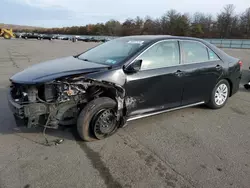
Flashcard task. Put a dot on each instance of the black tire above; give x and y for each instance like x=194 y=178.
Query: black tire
x=247 y=86
x=6 y=36
x=212 y=104
x=84 y=122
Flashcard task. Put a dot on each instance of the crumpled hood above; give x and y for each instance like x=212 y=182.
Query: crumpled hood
x=50 y=70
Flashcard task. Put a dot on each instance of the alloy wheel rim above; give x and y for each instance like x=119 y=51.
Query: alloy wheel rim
x=221 y=94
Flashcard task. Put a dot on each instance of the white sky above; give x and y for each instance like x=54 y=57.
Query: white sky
x=80 y=12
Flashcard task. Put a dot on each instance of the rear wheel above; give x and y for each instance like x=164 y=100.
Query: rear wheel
x=6 y=36
x=219 y=95
x=97 y=120
x=247 y=86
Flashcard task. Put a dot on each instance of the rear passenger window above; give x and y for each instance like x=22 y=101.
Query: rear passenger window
x=193 y=52
x=212 y=56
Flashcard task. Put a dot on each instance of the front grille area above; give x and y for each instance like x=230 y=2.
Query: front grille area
x=18 y=93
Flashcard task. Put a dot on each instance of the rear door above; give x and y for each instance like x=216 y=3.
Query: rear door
x=201 y=69
x=157 y=85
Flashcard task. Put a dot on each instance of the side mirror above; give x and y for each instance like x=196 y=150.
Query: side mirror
x=133 y=67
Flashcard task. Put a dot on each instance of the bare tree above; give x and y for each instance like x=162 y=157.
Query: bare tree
x=225 y=20
x=151 y=26
x=245 y=23
x=113 y=28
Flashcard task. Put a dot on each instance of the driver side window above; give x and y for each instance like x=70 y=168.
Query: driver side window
x=160 y=55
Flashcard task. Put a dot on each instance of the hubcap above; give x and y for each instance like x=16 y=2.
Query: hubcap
x=221 y=94
x=104 y=123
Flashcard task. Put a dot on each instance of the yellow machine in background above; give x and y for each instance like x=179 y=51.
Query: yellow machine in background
x=7 y=33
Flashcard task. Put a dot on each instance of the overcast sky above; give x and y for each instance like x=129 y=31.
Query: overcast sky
x=59 y=13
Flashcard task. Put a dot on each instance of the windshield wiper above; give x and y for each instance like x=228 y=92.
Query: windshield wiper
x=77 y=56
x=85 y=60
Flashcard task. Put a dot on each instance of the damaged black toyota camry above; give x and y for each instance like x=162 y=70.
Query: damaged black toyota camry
x=124 y=79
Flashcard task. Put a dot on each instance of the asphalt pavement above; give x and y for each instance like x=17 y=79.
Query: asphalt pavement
x=194 y=147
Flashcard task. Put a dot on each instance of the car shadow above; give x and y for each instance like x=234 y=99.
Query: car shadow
x=202 y=106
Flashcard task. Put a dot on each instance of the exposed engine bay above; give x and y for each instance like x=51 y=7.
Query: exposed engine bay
x=59 y=102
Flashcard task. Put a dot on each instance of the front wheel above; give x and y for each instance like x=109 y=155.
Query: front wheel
x=219 y=95
x=97 y=120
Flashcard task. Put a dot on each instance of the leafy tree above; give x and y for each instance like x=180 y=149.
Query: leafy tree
x=113 y=28
x=197 y=30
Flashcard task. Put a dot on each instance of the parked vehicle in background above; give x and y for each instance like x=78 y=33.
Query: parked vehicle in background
x=63 y=38
x=104 y=40
x=108 y=39
x=89 y=39
x=84 y=39
x=93 y=39
x=56 y=36
x=247 y=85
x=31 y=36
x=100 y=39
x=19 y=35
x=40 y=36
x=122 y=80
x=48 y=37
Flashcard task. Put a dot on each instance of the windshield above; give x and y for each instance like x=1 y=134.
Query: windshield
x=112 y=52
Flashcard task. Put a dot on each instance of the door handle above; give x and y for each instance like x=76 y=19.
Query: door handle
x=178 y=73
x=218 y=67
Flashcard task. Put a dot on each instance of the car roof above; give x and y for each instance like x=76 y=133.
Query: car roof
x=158 y=37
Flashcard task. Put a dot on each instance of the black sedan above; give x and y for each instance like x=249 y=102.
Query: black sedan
x=47 y=37
x=122 y=80
x=31 y=36
x=90 y=39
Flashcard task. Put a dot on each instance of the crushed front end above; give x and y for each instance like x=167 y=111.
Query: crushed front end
x=58 y=102
x=45 y=104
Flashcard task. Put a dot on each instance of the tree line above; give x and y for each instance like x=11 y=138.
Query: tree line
x=226 y=24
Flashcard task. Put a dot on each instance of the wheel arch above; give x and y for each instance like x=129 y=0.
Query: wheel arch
x=230 y=85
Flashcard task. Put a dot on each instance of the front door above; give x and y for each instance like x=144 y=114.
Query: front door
x=157 y=85
x=201 y=70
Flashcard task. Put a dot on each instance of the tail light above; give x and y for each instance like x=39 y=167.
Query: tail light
x=240 y=63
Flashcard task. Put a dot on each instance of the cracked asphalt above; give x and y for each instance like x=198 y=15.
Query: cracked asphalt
x=193 y=147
